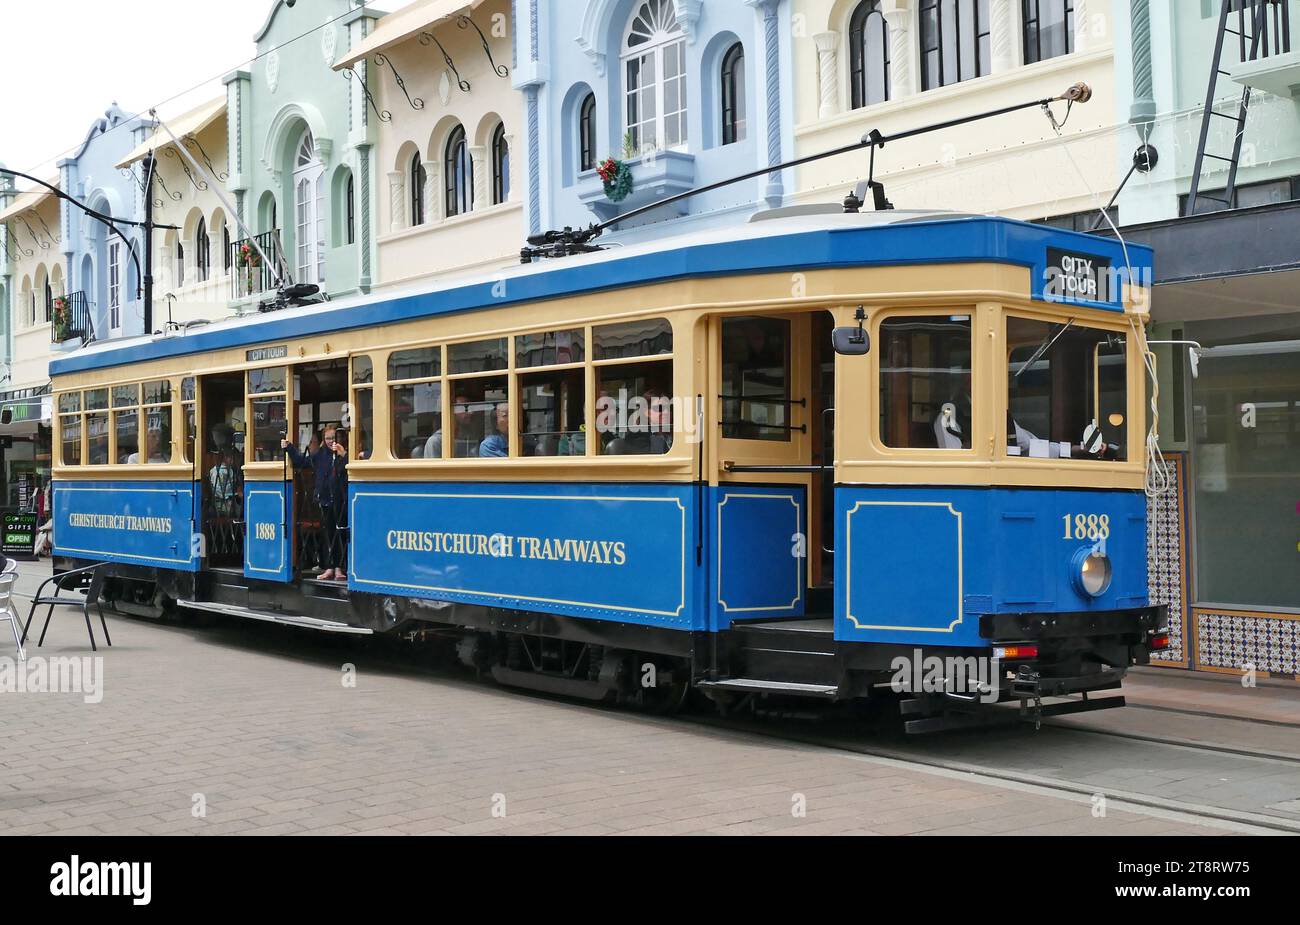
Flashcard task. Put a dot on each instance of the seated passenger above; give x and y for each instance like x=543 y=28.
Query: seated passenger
x=953 y=422
x=497 y=445
x=154 y=443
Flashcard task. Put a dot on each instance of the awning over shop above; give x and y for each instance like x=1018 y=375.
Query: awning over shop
x=396 y=28
x=191 y=123
x=28 y=200
x=21 y=412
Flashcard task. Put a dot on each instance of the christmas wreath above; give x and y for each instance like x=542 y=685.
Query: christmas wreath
x=617 y=177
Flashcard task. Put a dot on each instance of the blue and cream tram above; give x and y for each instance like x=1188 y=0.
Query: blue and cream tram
x=768 y=461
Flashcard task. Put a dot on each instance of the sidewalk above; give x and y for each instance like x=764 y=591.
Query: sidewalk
x=1271 y=700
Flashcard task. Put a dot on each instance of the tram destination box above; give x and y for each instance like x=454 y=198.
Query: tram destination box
x=18 y=532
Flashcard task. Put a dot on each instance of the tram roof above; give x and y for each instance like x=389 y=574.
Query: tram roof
x=797 y=239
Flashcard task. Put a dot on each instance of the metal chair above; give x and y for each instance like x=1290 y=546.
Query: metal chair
x=88 y=579
x=7 y=611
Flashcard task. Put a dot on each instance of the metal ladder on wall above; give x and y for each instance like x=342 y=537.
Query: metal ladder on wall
x=1263 y=27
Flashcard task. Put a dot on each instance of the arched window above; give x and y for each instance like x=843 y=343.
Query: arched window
x=202 y=255
x=500 y=166
x=954 y=41
x=180 y=265
x=587 y=133
x=416 y=179
x=49 y=301
x=1049 y=29
x=225 y=247
x=733 y=94
x=654 y=61
x=459 y=170
x=868 y=55
x=350 y=211
x=309 y=212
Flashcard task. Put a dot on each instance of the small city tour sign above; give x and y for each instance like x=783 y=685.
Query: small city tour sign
x=260 y=354
x=1073 y=276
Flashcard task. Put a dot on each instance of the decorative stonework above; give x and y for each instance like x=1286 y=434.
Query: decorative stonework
x=688 y=15
x=444 y=87
x=828 y=68
x=396 y=201
x=273 y=70
x=515 y=174
x=478 y=155
x=900 y=52
x=329 y=41
x=1002 y=36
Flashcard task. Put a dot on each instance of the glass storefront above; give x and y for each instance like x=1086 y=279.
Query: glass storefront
x=1245 y=430
x=25 y=450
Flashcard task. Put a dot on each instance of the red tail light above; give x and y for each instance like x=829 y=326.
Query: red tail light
x=1160 y=641
x=1005 y=653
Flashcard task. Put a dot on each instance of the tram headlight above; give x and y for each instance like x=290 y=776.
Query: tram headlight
x=1091 y=571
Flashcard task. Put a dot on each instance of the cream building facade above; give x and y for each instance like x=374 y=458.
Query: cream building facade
x=194 y=270
x=450 y=177
x=37 y=281
x=893 y=65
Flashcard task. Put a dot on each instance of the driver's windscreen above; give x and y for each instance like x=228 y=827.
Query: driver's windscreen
x=1067 y=387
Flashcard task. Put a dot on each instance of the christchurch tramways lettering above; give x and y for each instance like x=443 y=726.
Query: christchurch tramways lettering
x=121 y=522
x=501 y=546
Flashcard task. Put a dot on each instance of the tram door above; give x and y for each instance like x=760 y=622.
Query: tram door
x=775 y=394
x=220 y=469
x=319 y=398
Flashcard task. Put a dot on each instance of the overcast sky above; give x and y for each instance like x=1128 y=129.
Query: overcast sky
x=66 y=61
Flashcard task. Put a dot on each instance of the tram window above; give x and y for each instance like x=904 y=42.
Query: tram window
x=270 y=425
x=69 y=402
x=925 y=382
x=417 y=420
x=756 y=378
x=652 y=337
x=423 y=363
x=480 y=422
x=553 y=405
x=97 y=439
x=126 y=423
x=157 y=397
x=97 y=399
x=478 y=357
x=551 y=348
x=191 y=423
x=70 y=428
x=365 y=424
x=1062 y=377
x=634 y=414
x=263 y=381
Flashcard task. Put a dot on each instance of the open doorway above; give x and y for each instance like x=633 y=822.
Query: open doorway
x=320 y=394
x=222 y=475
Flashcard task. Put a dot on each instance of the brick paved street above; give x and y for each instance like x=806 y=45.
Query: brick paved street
x=257 y=721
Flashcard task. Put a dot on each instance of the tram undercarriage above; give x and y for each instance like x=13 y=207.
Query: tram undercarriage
x=765 y=667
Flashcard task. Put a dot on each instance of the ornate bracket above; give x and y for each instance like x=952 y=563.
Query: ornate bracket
x=425 y=39
x=175 y=197
x=500 y=69
x=48 y=233
x=197 y=182
x=43 y=245
x=382 y=114
x=128 y=173
x=193 y=144
x=415 y=102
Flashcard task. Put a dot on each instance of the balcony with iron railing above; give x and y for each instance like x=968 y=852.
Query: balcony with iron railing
x=250 y=274
x=70 y=319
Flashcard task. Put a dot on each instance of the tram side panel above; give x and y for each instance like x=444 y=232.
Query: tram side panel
x=621 y=552
x=920 y=566
x=140 y=523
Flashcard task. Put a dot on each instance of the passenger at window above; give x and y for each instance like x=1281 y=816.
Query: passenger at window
x=223 y=478
x=460 y=409
x=153 y=442
x=497 y=445
x=650 y=432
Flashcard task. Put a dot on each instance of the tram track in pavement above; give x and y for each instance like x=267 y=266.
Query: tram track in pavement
x=1245 y=821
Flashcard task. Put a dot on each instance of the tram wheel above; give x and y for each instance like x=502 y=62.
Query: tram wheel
x=670 y=691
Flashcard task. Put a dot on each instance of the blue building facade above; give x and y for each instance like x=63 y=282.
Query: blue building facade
x=100 y=263
x=683 y=93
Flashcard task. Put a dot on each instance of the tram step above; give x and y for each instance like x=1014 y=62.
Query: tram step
x=760 y=686
x=287 y=619
x=801 y=651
